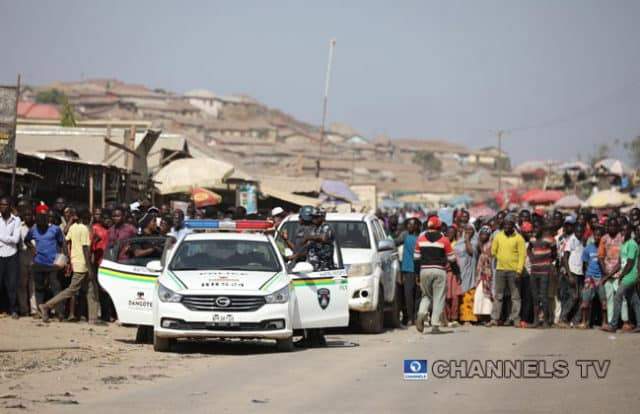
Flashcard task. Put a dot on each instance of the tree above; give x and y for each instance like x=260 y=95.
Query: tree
x=428 y=161
x=633 y=147
x=51 y=96
x=68 y=118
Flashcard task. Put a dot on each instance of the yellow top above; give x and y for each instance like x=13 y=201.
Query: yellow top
x=509 y=251
x=79 y=236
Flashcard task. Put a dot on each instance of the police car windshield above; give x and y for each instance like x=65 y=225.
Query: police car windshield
x=253 y=256
x=349 y=234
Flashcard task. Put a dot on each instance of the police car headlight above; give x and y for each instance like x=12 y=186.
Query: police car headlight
x=360 y=269
x=280 y=296
x=167 y=295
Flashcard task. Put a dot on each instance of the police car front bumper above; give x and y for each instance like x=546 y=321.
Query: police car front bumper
x=271 y=321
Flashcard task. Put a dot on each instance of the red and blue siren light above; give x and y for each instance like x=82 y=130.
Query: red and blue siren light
x=231 y=225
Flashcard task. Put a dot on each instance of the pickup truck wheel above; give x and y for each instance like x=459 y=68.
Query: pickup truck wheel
x=373 y=322
x=162 y=344
x=392 y=315
x=144 y=334
x=284 y=345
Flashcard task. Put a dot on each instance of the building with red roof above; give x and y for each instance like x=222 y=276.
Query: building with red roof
x=34 y=110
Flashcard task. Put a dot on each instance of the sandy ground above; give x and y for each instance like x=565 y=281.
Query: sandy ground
x=101 y=370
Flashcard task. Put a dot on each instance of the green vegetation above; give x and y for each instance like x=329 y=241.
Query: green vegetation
x=51 y=96
x=428 y=161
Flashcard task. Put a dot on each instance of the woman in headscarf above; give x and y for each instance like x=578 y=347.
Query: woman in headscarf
x=483 y=295
x=466 y=253
x=453 y=289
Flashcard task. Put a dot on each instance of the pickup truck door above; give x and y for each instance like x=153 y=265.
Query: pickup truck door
x=386 y=258
x=321 y=298
x=127 y=280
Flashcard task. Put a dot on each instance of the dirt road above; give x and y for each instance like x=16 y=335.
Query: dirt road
x=101 y=370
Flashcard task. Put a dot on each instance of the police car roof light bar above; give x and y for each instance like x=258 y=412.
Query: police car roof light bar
x=228 y=225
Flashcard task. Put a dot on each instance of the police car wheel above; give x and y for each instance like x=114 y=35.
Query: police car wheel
x=285 y=345
x=162 y=344
x=373 y=322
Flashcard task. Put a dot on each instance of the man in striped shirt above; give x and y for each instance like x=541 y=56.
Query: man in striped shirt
x=541 y=255
x=433 y=252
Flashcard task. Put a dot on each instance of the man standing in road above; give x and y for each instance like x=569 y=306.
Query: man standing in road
x=433 y=251
x=628 y=280
x=83 y=271
x=9 y=239
x=609 y=256
x=508 y=248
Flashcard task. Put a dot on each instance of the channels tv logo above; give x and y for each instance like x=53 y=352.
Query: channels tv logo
x=415 y=369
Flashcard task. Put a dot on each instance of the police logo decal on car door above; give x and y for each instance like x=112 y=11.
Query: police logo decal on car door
x=324 y=297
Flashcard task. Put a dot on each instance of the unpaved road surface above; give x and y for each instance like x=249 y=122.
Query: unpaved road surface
x=75 y=368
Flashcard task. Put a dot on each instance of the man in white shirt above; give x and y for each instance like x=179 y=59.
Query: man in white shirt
x=9 y=239
x=574 y=274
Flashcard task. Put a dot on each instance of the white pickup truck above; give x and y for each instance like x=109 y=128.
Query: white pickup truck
x=373 y=267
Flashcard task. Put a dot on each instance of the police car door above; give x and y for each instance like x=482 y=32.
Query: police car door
x=321 y=298
x=128 y=282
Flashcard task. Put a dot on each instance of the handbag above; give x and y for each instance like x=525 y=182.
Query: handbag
x=60 y=261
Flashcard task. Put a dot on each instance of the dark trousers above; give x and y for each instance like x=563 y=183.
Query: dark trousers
x=409 y=305
x=526 y=307
x=46 y=278
x=505 y=279
x=571 y=286
x=9 y=280
x=630 y=293
x=539 y=291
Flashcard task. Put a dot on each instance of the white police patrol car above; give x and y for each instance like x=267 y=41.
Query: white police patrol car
x=225 y=280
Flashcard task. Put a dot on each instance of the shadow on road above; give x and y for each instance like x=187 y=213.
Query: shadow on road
x=237 y=346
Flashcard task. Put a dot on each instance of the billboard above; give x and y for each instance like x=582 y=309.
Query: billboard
x=8 y=96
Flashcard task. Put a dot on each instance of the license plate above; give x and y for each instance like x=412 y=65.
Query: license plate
x=222 y=317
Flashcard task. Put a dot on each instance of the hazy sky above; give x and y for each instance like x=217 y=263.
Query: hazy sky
x=567 y=71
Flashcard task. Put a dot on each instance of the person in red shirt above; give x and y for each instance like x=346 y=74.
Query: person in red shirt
x=99 y=245
x=119 y=232
x=433 y=252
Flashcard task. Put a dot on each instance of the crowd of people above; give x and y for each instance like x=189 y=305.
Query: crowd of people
x=49 y=256
x=528 y=269
x=525 y=268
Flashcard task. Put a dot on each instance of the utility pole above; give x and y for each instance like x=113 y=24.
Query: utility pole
x=332 y=45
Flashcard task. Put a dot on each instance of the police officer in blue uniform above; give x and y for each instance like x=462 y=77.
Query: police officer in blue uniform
x=321 y=243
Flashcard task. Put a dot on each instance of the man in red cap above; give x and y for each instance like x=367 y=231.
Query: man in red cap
x=433 y=251
x=49 y=241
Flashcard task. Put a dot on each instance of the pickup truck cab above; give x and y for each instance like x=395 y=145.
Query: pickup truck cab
x=372 y=264
x=226 y=280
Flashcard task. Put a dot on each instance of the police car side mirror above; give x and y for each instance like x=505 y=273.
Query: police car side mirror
x=154 y=266
x=384 y=245
x=302 y=267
